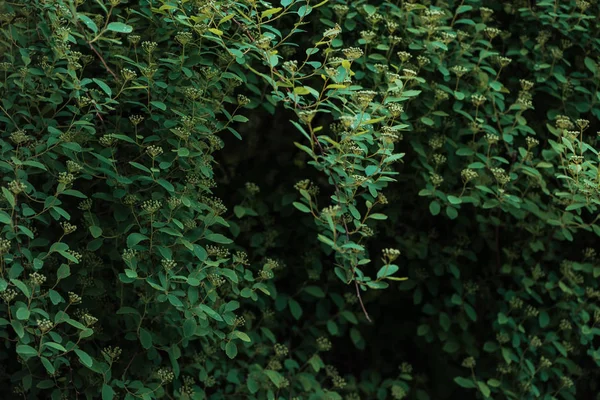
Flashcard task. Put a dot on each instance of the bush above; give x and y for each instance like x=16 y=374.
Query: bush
x=303 y=200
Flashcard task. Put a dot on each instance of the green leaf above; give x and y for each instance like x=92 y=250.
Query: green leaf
x=464 y=382
x=591 y=65
x=210 y=312
x=315 y=291
x=8 y=196
x=48 y=365
x=269 y=12
x=485 y=390
x=275 y=377
x=301 y=207
x=135 y=238
x=454 y=200
x=435 y=207
x=160 y=105
x=26 y=351
x=316 y=362
x=21 y=286
x=445 y=321
x=189 y=327
x=463 y=9
x=119 y=27
x=411 y=93
x=370 y=170
x=5 y=218
x=295 y=308
x=544 y=319
x=218 y=238
x=18 y=327
x=301 y=91
x=427 y=121
x=88 y=22
x=107 y=392
x=23 y=313
x=140 y=166
x=494 y=383
x=84 y=358
x=103 y=86
x=242 y=336
x=387 y=270
x=55 y=346
x=96 y=231
x=502 y=318
x=231 y=349
x=145 y=338
x=63 y=271
x=451 y=212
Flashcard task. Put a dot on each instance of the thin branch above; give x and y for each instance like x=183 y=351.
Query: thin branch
x=361 y=302
x=103 y=62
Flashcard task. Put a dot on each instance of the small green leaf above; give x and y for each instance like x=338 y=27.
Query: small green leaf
x=27 y=351
x=210 y=312
x=189 y=327
x=301 y=91
x=23 y=313
x=145 y=338
x=63 y=271
x=275 y=377
x=591 y=65
x=231 y=349
x=87 y=21
x=242 y=336
x=427 y=121
x=55 y=346
x=435 y=207
x=269 y=12
x=295 y=308
x=463 y=9
x=387 y=270
x=544 y=319
x=119 y=27
x=485 y=390
x=315 y=291
x=107 y=392
x=370 y=170
x=465 y=382
x=454 y=200
x=21 y=286
x=84 y=358
x=135 y=238
x=5 y=218
x=502 y=318
x=160 y=105
x=48 y=365
x=8 y=196
x=301 y=207
x=96 y=231
x=218 y=238
x=103 y=86
x=451 y=212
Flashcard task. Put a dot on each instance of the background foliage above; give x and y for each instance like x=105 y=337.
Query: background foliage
x=299 y=199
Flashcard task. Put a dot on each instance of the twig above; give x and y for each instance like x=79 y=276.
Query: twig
x=103 y=62
x=361 y=302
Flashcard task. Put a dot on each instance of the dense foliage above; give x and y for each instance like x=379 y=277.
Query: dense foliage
x=220 y=199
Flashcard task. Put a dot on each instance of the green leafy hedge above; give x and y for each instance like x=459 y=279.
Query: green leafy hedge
x=212 y=199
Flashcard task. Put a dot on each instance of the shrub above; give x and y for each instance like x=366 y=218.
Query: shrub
x=304 y=200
